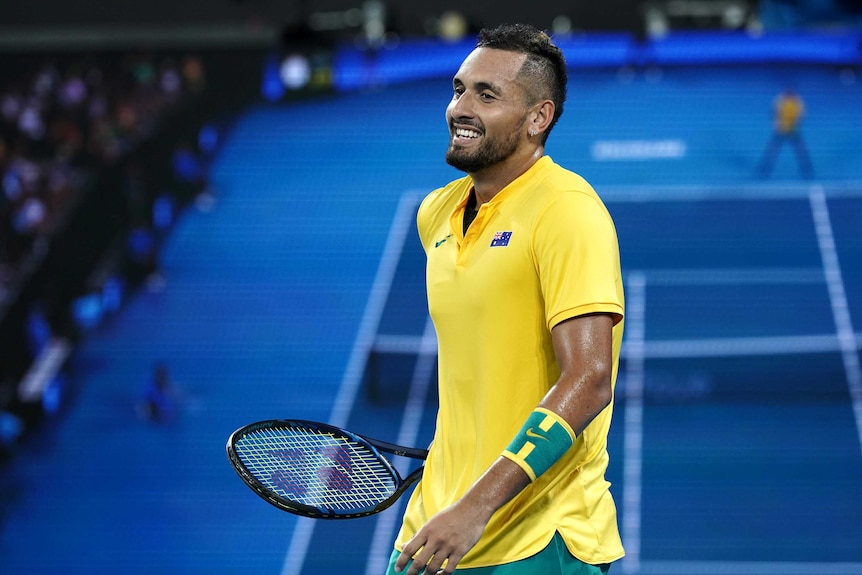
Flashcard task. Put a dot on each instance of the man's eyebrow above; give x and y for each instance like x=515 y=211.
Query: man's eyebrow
x=482 y=86
x=479 y=86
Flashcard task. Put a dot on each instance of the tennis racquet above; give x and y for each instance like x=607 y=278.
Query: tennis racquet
x=319 y=470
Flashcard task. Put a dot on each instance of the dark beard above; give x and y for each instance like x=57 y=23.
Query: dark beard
x=489 y=153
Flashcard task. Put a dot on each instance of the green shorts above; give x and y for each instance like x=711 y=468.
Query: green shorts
x=554 y=559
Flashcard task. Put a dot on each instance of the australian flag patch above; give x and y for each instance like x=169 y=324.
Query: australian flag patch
x=501 y=239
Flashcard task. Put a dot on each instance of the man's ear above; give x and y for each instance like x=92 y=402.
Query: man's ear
x=540 y=118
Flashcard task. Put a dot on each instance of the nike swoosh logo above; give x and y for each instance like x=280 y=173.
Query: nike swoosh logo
x=531 y=433
x=440 y=242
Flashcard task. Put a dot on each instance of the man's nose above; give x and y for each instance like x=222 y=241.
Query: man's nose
x=460 y=108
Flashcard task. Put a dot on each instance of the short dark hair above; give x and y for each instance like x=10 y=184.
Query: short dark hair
x=544 y=69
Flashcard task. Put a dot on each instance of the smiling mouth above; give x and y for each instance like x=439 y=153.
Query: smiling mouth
x=462 y=137
x=466 y=133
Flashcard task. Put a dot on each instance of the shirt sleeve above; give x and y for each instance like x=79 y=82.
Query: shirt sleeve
x=577 y=257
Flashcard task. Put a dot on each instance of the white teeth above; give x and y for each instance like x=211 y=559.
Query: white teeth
x=466 y=133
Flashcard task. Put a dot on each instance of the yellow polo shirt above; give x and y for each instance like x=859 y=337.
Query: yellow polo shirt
x=788 y=113
x=541 y=251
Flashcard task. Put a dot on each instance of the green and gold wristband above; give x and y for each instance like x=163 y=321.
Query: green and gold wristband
x=543 y=439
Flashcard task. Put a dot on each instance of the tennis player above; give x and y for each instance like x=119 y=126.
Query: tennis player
x=788 y=111
x=525 y=292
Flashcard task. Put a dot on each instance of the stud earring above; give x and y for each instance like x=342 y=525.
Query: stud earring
x=532 y=132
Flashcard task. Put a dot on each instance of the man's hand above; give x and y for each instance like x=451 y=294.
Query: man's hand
x=450 y=534
x=446 y=538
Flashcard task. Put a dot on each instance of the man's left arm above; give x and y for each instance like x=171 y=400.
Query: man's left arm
x=583 y=347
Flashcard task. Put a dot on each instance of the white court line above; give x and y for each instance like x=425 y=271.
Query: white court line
x=734 y=276
x=748 y=568
x=678 y=348
x=633 y=430
x=742 y=346
x=838 y=299
x=384 y=530
x=294 y=559
x=404 y=344
x=762 y=191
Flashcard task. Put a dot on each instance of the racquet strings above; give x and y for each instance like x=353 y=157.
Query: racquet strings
x=316 y=468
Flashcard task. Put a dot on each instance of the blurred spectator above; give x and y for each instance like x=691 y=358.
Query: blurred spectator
x=61 y=123
x=67 y=126
x=788 y=111
x=11 y=428
x=190 y=173
x=143 y=238
x=159 y=401
x=193 y=73
x=39 y=332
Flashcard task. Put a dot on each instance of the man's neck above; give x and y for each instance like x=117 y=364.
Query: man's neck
x=489 y=182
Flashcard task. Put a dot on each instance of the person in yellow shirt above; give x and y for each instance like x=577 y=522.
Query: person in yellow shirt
x=526 y=295
x=788 y=111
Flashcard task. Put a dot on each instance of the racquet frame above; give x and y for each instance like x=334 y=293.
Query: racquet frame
x=374 y=446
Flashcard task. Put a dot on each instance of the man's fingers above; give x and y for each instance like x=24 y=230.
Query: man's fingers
x=434 y=564
x=415 y=550
x=420 y=562
x=451 y=563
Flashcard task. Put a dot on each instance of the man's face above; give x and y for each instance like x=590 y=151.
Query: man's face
x=487 y=113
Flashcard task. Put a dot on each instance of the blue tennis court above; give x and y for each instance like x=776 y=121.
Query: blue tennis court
x=735 y=446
